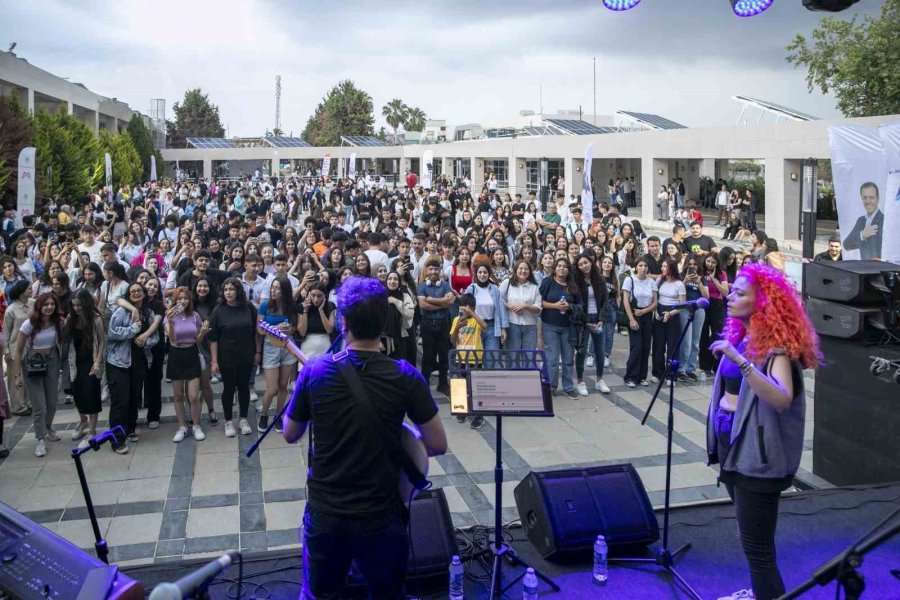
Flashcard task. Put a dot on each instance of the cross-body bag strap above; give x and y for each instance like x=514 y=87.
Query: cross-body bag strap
x=392 y=448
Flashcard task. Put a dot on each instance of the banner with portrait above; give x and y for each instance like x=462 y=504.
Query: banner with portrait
x=587 y=194
x=427 y=169
x=25 y=199
x=890 y=139
x=326 y=165
x=858 y=168
x=351 y=171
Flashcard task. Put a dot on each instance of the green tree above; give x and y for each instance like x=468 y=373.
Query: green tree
x=127 y=168
x=415 y=119
x=856 y=61
x=345 y=110
x=67 y=155
x=395 y=113
x=195 y=116
x=143 y=144
x=16 y=132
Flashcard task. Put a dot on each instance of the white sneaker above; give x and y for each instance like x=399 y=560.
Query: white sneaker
x=644 y=382
x=740 y=595
x=630 y=384
x=601 y=387
x=84 y=444
x=179 y=435
x=153 y=424
x=229 y=429
x=245 y=427
x=40 y=449
x=259 y=407
x=581 y=388
x=198 y=434
x=79 y=430
x=654 y=379
x=589 y=362
x=253 y=395
x=606 y=362
x=52 y=435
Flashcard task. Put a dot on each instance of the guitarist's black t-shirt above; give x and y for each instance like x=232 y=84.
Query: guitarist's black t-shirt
x=350 y=474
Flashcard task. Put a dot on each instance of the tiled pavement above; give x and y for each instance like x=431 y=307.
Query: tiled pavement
x=164 y=501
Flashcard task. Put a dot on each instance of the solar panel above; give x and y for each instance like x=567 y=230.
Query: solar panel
x=650 y=120
x=286 y=142
x=538 y=131
x=206 y=143
x=575 y=127
x=776 y=108
x=362 y=140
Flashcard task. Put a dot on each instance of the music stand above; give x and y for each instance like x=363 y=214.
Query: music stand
x=500 y=383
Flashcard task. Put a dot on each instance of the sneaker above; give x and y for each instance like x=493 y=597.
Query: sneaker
x=179 y=435
x=68 y=399
x=740 y=595
x=259 y=407
x=198 y=434
x=589 y=362
x=52 y=435
x=263 y=422
x=120 y=449
x=654 y=379
x=79 y=430
x=644 y=382
x=279 y=425
x=215 y=379
x=213 y=419
x=460 y=418
x=443 y=388
x=133 y=437
x=601 y=387
x=571 y=394
x=606 y=362
x=477 y=422
x=168 y=380
x=84 y=444
x=693 y=377
x=40 y=449
x=245 y=427
x=581 y=388
x=630 y=384
x=253 y=395
x=682 y=377
x=229 y=429
x=153 y=424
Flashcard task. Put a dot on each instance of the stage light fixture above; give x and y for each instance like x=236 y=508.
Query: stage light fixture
x=829 y=5
x=749 y=8
x=620 y=4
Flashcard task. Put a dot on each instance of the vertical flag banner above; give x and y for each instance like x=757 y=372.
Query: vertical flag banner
x=890 y=245
x=152 y=167
x=587 y=195
x=109 y=190
x=352 y=171
x=857 y=166
x=427 y=169
x=25 y=200
x=326 y=165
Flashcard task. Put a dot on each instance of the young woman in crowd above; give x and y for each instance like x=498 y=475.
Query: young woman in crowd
x=401 y=312
x=695 y=288
x=667 y=323
x=155 y=302
x=640 y=298
x=11 y=273
x=18 y=310
x=278 y=364
x=523 y=305
x=184 y=328
x=591 y=339
x=23 y=262
x=204 y=302
x=717 y=284
x=558 y=293
x=614 y=300
x=489 y=305
x=85 y=337
x=316 y=321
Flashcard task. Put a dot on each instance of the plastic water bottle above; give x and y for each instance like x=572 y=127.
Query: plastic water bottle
x=456 y=579
x=530 y=585
x=601 y=555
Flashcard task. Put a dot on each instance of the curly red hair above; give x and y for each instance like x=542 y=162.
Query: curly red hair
x=779 y=321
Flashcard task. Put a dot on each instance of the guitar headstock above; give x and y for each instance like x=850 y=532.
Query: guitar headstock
x=276 y=334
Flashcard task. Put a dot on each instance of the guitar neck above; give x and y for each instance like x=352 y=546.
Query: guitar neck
x=282 y=339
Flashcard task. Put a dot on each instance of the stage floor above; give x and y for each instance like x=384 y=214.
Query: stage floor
x=166 y=501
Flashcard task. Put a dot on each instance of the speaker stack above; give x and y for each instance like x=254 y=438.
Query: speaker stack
x=853 y=306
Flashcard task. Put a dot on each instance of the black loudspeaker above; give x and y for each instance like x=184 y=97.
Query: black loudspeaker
x=432 y=541
x=844 y=320
x=562 y=512
x=847 y=280
x=857 y=420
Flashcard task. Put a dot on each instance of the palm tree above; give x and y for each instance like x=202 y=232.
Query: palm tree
x=395 y=113
x=415 y=119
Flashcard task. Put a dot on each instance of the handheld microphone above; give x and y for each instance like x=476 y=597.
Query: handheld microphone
x=114 y=435
x=691 y=304
x=192 y=583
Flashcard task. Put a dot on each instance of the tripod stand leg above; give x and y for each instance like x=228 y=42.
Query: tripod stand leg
x=687 y=586
x=684 y=547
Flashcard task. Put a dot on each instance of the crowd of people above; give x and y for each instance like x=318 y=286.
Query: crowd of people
x=106 y=296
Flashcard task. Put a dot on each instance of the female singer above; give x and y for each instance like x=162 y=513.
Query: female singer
x=756 y=415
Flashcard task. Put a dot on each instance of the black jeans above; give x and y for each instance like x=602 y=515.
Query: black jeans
x=639 y=351
x=380 y=548
x=665 y=338
x=236 y=377
x=125 y=388
x=712 y=327
x=153 y=384
x=435 y=346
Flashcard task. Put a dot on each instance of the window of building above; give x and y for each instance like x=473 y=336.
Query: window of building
x=500 y=169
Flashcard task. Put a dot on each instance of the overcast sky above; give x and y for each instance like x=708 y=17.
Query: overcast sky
x=460 y=60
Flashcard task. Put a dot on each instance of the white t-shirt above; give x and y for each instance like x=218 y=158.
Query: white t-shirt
x=92 y=251
x=670 y=292
x=44 y=339
x=642 y=291
x=377 y=257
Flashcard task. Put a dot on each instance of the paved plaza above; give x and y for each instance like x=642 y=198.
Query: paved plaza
x=165 y=501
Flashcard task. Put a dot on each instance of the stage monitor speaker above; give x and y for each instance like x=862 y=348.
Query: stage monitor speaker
x=847 y=280
x=844 y=320
x=432 y=541
x=857 y=421
x=562 y=512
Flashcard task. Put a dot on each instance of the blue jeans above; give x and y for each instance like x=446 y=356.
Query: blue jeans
x=521 y=337
x=690 y=347
x=609 y=331
x=594 y=340
x=489 y=341
x=348 y=213
x=558 y=345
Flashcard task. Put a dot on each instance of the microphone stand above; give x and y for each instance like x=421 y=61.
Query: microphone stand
x=665 y=557
x=95 y=443
x=334 y=345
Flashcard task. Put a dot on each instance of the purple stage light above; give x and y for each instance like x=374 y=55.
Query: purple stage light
x=620 y=4
x=749 y=8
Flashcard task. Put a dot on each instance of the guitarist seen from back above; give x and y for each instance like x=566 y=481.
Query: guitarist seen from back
x=354 y=509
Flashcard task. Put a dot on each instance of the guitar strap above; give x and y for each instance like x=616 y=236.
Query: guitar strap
x=392 y=447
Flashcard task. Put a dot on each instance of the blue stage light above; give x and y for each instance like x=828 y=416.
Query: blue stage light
x=620 y=4
x=750 y=8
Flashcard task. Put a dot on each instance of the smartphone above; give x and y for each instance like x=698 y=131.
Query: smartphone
x=692 y=271
x=179 y=308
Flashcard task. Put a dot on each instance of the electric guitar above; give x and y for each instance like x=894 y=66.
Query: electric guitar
x=410 y=437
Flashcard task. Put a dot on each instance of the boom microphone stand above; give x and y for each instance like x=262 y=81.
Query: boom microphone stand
x=665 y=558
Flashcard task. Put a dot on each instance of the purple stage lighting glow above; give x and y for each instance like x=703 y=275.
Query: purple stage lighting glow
x=750 y=8
x=620 y=4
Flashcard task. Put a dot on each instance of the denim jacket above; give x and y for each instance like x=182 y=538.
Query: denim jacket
x=501 y=317
x=119 y=335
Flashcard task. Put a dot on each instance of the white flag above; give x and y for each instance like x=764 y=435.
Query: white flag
x=352 y=171
x=587 y=195
x=326 y=165
x=427 y=169
x=25 y=200
x=109 y=190
x=152 y=167
x=890 y=245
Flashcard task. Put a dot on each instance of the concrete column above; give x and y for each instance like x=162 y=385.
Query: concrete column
x=654 y=173
x=96 y=122
x=577 y=178
x=516 y=175
x=783 y=199
x=29 y=100
x=708 y=168
x=70 y=108
x=207 y=168
x=722 y=168
x=570 y=175
x=446 y=166
x=477 y=173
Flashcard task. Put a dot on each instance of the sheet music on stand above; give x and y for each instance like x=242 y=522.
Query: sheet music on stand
x=500 y=382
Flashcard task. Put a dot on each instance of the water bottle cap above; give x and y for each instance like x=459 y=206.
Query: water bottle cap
x=530 y=570
x=601 y=537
